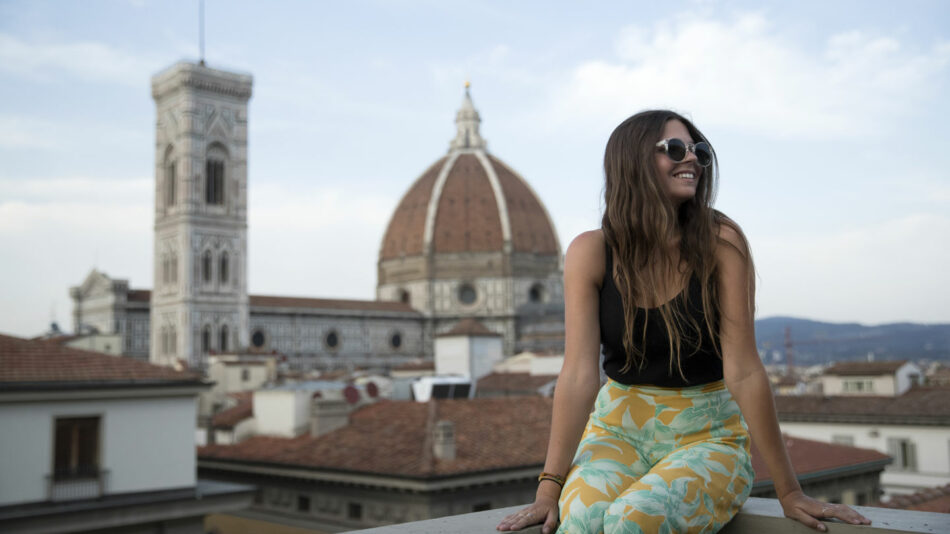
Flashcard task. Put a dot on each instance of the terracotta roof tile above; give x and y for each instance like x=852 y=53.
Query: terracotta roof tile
x=404 y=234
x=244 y=409
x=467 y=218
x=469 y=327
x=812 y=457
x=139 y=295
x=531 y=231
x=864 y=368
x=928 y=500
x=265 y=301
x=916 y=402
x=25 y=361
x=512 y=383
x=389 y=438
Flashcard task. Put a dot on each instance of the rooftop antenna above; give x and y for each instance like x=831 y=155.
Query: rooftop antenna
x=201 y=32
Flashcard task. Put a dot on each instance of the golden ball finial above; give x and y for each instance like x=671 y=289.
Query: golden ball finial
x=468 y=84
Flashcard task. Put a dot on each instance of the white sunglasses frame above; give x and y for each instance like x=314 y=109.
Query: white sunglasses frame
x=690 y=147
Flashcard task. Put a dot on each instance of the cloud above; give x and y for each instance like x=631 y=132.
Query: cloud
x=23 y=132
x=88 y=61
x=742 y=73
x=866 y=272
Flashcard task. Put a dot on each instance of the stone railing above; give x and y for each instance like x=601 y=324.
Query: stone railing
x=757 y=516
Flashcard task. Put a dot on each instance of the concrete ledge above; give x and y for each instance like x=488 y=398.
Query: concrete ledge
x=756 y=516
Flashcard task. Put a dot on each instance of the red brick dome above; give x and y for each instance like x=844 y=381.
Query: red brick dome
x=469 y=201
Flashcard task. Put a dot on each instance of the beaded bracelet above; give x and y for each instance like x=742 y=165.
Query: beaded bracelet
x=557 y=479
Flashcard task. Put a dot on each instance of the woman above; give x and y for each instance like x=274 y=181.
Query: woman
x=667 y=286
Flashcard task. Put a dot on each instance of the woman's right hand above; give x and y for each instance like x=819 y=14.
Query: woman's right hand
x=544 y=510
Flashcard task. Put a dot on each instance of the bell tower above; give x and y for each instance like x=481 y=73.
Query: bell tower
x=199 y=302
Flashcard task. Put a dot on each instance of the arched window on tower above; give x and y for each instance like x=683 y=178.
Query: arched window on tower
x=206 y=266
x=172 y=340
x=214 y=175
x=223 y=271
x=174 y=268
x=164 y=340
x=206 y=340
x=223 y=345
x=170 y=183
x=165 y=274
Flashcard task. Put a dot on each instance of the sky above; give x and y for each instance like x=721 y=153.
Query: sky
x=828 y=117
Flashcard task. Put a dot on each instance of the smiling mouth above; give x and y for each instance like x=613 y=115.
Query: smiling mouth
x=685 y=176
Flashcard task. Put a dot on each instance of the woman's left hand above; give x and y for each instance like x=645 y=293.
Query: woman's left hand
x=804 y=509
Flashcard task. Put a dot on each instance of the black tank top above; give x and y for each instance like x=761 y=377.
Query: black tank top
x=699 y=361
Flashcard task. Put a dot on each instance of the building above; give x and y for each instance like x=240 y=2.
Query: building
x=890 y=378
x=389 y=462
x=913 y=428
x=399 y=461
x=93 y=442
x=469 y=239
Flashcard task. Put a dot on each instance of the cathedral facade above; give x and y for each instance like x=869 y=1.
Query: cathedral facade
x=469 y=239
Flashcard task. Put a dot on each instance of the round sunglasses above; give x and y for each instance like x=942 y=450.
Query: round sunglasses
x=677 y=149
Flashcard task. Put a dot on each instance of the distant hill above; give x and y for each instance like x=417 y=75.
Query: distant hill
x=817 y=342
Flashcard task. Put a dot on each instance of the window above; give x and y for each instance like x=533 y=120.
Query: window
x=245 y=375
x=164 y=338
x=258 y=339
x=404 y=296
x=467 y=294
x=172 y=340
x=206 y=340
x=174 y=268
x=536 y=294
x=214 y=182
x=76 y=452
x=223 y=268
x=354 y=510
x=223 y=338
x=332 y=340
x=303 y=503
x=206 y=266
x=395 y=341
x=858 y=386
x=170 y=184
x=904 y=452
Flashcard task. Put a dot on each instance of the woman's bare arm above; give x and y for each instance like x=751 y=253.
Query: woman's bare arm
x=579 y=379
x=748 y=383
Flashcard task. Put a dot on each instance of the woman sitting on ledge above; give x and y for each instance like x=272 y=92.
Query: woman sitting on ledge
x=667 y=287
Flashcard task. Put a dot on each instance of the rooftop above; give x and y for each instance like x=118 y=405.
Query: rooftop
x=918 y=405
x=865 y=368
x=757 y=516
x=31 y=364
x=393 y=438
x=401 y=444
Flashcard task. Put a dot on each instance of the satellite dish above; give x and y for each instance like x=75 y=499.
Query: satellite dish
x=351 y=394
x=372 y=390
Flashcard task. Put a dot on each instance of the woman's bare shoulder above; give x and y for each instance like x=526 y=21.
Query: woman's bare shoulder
x=585 y=256
x=730 y=235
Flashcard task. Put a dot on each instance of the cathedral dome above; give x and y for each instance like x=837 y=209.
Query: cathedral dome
x=469 y=201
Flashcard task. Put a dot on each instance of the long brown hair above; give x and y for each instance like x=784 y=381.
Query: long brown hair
x=641 y=223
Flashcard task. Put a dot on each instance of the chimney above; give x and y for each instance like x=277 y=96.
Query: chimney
x=327 y=415
x=443 y=446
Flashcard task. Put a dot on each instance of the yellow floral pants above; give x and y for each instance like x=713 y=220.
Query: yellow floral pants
x=658 y=460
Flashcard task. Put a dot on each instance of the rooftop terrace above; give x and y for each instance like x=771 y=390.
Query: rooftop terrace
x=757 y=516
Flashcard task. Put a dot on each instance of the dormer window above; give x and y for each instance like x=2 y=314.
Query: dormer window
x=214 y=181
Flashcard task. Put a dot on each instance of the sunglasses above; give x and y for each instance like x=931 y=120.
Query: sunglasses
x=677 y=149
